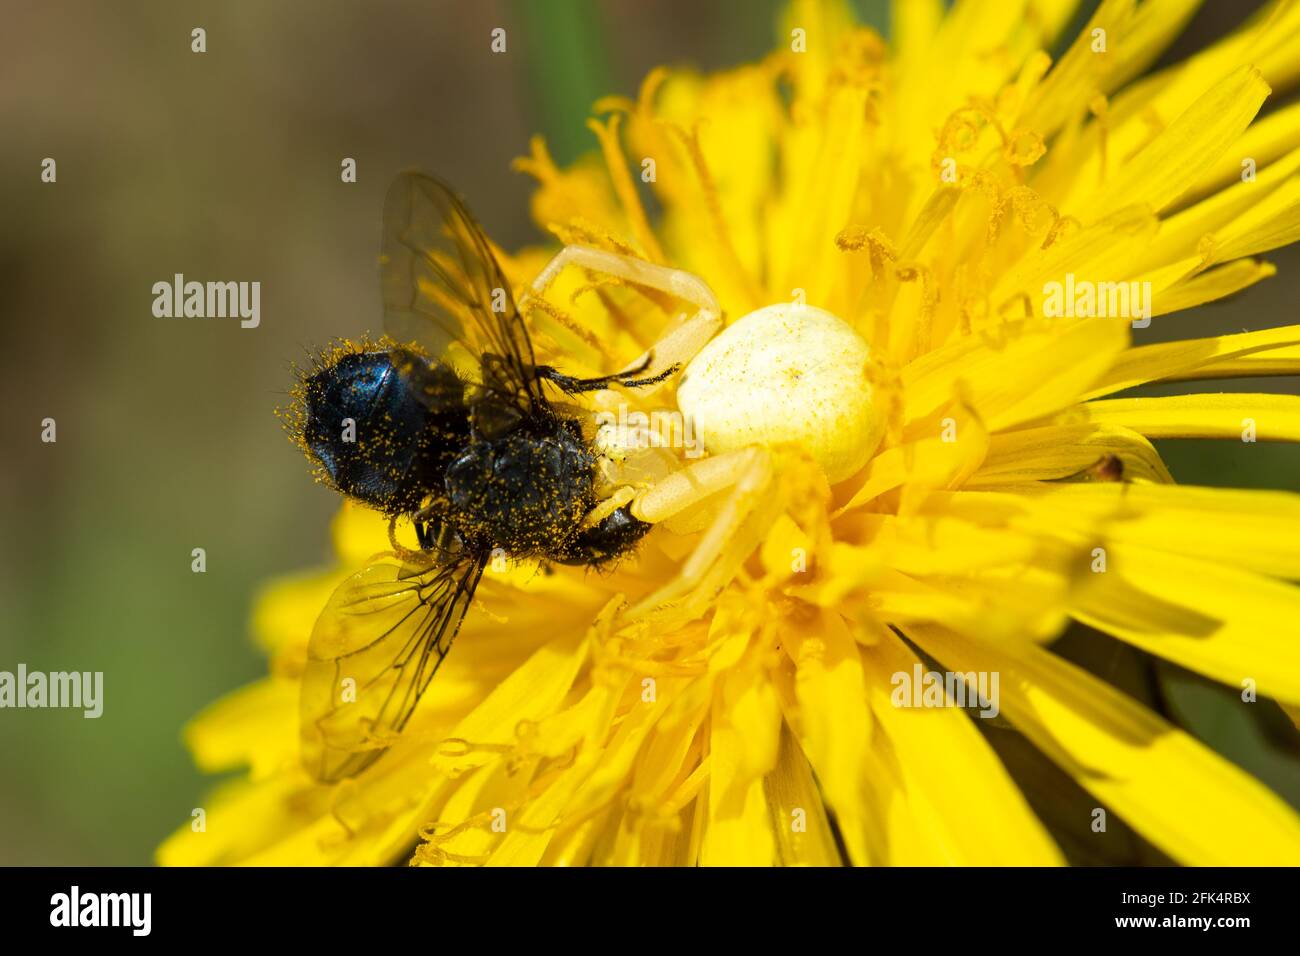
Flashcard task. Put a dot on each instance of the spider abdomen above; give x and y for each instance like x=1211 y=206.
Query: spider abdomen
x=805 y=377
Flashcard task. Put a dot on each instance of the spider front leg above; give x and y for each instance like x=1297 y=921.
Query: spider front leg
x=676 y=346
x=736 y=529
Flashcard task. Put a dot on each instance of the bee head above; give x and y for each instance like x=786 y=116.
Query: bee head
x=361 y=424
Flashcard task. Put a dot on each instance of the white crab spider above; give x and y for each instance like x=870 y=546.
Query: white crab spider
x=785 y=373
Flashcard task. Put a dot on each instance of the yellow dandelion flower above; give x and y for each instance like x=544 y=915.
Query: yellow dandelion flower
x=929 y=254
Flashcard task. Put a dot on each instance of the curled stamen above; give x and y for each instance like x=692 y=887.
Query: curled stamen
x=436 y=856
x=1024 y=148
x=1024 y=299
x=879 y=248
x=929 y=302
x=579 y=231
x=1064 y=226
x=460 y=747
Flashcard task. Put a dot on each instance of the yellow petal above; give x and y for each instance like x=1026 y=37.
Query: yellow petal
x=1278 y=360
x=1268 y=139
x=243 y=819
x=1152 y=29
x=252 y=726
x=1188 y=147
x=1270 y=223
x=1081 y=71
x=983 y=822
x=1059 y=451
x=1212 y=285
x=1219 y=621
x=531 y=692
x=1228 y=415
x=1103 y=249
x=743 y=744
x=834 y=724
x=799 y=822
x=1194 y=357
x=1191 y=803
x=285 y=610
x=1016 y=374
x=1253 y=530
x=359 y=533
x=1183 y=235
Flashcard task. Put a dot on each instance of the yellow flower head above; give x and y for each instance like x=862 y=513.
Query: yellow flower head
x=929 y=255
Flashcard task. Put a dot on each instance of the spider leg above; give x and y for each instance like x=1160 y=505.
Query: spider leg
x=736 y=529
x=680 y=341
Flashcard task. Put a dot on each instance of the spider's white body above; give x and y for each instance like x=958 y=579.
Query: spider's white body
x=781 y=374
x=786 y=373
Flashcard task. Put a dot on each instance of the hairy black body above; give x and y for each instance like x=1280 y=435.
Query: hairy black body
x=407 y=437
x=480 y=465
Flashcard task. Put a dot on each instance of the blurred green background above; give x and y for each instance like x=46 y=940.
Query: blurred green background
x=225 y=166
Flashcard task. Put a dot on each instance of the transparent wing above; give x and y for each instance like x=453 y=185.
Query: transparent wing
x=373 y=652
x=441 y=284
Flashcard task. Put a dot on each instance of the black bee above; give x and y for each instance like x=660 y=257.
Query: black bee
x=481 y=463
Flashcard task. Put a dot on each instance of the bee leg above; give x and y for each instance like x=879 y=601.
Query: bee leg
x=681 y=340
x=591 y=384
x=399 y=549
x=626 y=378
x=431 y=532
x=736 y=529
x=423 y=535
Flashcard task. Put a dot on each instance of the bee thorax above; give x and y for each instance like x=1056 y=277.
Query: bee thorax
x=523 y=493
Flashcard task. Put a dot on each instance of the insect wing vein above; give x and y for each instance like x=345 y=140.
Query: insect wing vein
x=438 y=271
x=373 y=652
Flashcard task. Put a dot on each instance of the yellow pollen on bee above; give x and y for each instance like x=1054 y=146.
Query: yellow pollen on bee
x=786 y=373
